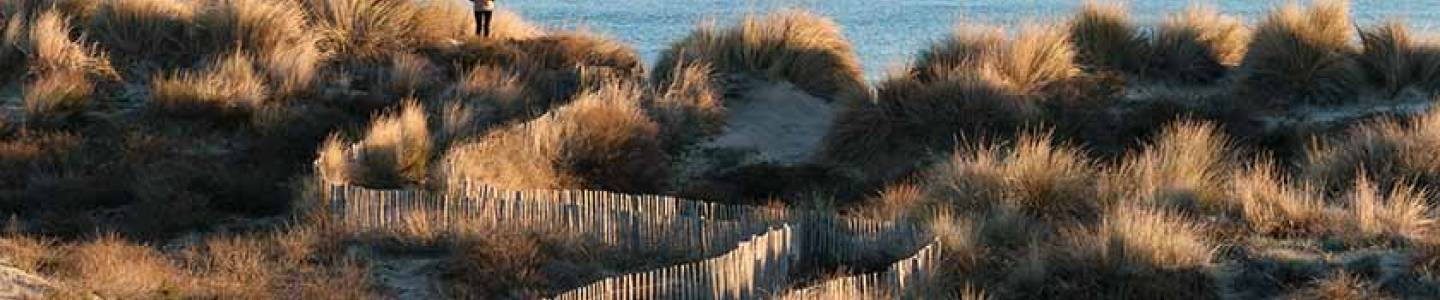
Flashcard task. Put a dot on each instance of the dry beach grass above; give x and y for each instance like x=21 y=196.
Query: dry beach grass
x=182 y=149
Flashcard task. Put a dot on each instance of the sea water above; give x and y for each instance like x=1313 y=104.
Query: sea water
x=887 y=33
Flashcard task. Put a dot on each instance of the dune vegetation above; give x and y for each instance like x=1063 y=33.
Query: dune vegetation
x=173 y=149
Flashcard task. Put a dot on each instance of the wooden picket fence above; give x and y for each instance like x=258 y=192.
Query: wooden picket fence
x=712 y=236
x=908 y=278
x=621 y=221
x=755 y=268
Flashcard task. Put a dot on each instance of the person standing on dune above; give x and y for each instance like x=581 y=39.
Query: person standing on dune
x=484 y=10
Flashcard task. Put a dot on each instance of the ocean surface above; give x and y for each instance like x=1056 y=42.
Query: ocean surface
x=886 y=33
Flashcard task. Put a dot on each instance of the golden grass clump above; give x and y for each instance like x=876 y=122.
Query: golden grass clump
x=1273 y=205
x=1340 y=285
x=974 y=85
x=78 y=9
x=964 y=248
x=441 y=21
x=52 y=51
x=410 y=73
x=259 y=26
x=156 y=30
x=1132 y=252
x=965 y=47
x=603 y=140
x=294 y=263
x=1038 y=56
x=491 y=96
x=689 y=108
x=1394 y=59
x=113 y=268
x=1303 y=54
x=791 y=45
x=58 y=95
x=1034 y=175
x=365 y=30
x=229 y=86
x=24 y=252
x=1404 y=214
x=394 y=152
x=1198 y=45
x=570 y=50
x=1105 y=38
x=64 y=70
x=1387 y=151
x=292 y=70
x=912 y=119
x=894 y=202
x=1186 y=166
x=276 y=33
x=1153 y=238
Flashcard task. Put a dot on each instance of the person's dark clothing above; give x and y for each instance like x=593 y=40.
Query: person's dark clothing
x=484 y=11
x=482 y=22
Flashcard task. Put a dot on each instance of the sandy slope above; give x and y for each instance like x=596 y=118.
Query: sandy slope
x=780 y=123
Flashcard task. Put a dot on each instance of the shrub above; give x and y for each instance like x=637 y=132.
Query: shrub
x=1300 y=54
x=394 y=152
x=363 y=30
x=975 y=84
x=1199 y=45
x=1387 y=151
x=233 y=266
x=1272 y=205
x=1340 y=285
x=114 y=268
x=442 y=21
x=1052 y=182
x=57 y=96
x=52 y=51
x=1404 y=214
x=1038 y=56
x=492 y=96
x=292 y=69
x=1134 y=253
x=966 y=47
x=1105 y=38
x=567 y=51
x=257 y=26
x=224 y=266
x=229 y=86
x=24 y=252
x=963 y=247
x=603 y=140
x=911 y=120
x=494 y=265
x=796 y=46
x=153 y=30
x=410 y=74
x=689 y=109
x=897 y=201
x=1185 y=166
x=397 y=146
x=77 y=9
x=1392 y=59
